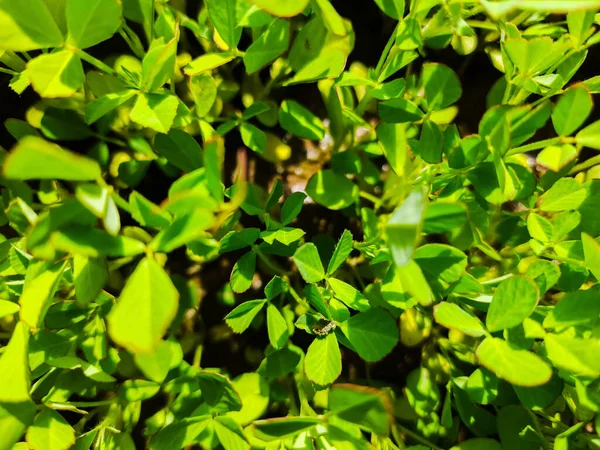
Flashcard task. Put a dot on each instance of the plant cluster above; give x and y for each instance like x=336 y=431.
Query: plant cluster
x=396 y=280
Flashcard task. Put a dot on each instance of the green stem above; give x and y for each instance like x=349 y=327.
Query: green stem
x=64 y=407
x=130 y=44
x=481 y=24
x=8 y=71
x=106 y=402
x=138 y=47
x=585 y=165
x=386 y=51
x=40 y=380
x=26 y=55
x=275 y=268
x=497 y=280
x=376 y=201
x=95 y=62
x=536 y=145
x=364 y=102
x=417 y=437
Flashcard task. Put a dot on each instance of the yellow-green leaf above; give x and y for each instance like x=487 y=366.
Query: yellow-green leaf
x=57 y=74
x=28 y=25
x=41 y=281
x=34 y=158
x=145 y=308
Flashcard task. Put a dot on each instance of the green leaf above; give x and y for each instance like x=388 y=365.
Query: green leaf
x=441 y=85
x=539 y=228
x=452 y=316
x=323 y=361
x=203 y=90
x=180 y=149
x=280 y=362
x=404 y=227
x=544 y=273
x=243 y=272
x=441 y=262
x=93 y=243
x=145 y=309
x=431 y=142
x=222 y=15
x=589 y=136
x=28 y=26
x=364 y=406
x=480 y=421
x=230 y=434
x=282 y=8
x=105 y=104
x=50 y=431
x=542 y=396
x=241 y=317
x=159 y=63
x=518 y=428
x=138 y=390
x=34 y=158
x=91 y=22
x=89 y=276
x=236 y=240
x=317 y=53
x=443 y=217
x=208 y=61
x=333 y=21
x=372 y=333
x=478 y=444
x=393 y=8
x=309 y=264
x=17 y=410
x=282 y=427
x=156 y=365
x=565 y=194
x=8 y=308
x=254 y=391
x=268 y=46
x=517 y=366
x=184 y=432
x=156 y=111
x=572 y=110
x=578 y=356
x=554 y=6
x=399 y=110
x=482 y=386
x=276 y=327
x=183 y=230
x=147 y=213
x=332 y=190
x=299 y=121
x=392 y=138
x=422 y=392
x=57 y=74
x=218 y=392
x=292 y=207
x=514 y=301
x=556 y=158
x=342 y=251
x=591 y=250
x=350 y=296
x=408 y=35
x=574 y=308
x=314 y=297
x=254 y=138
x=41 y=282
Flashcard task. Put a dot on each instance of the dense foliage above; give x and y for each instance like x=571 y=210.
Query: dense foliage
x=217 y=232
